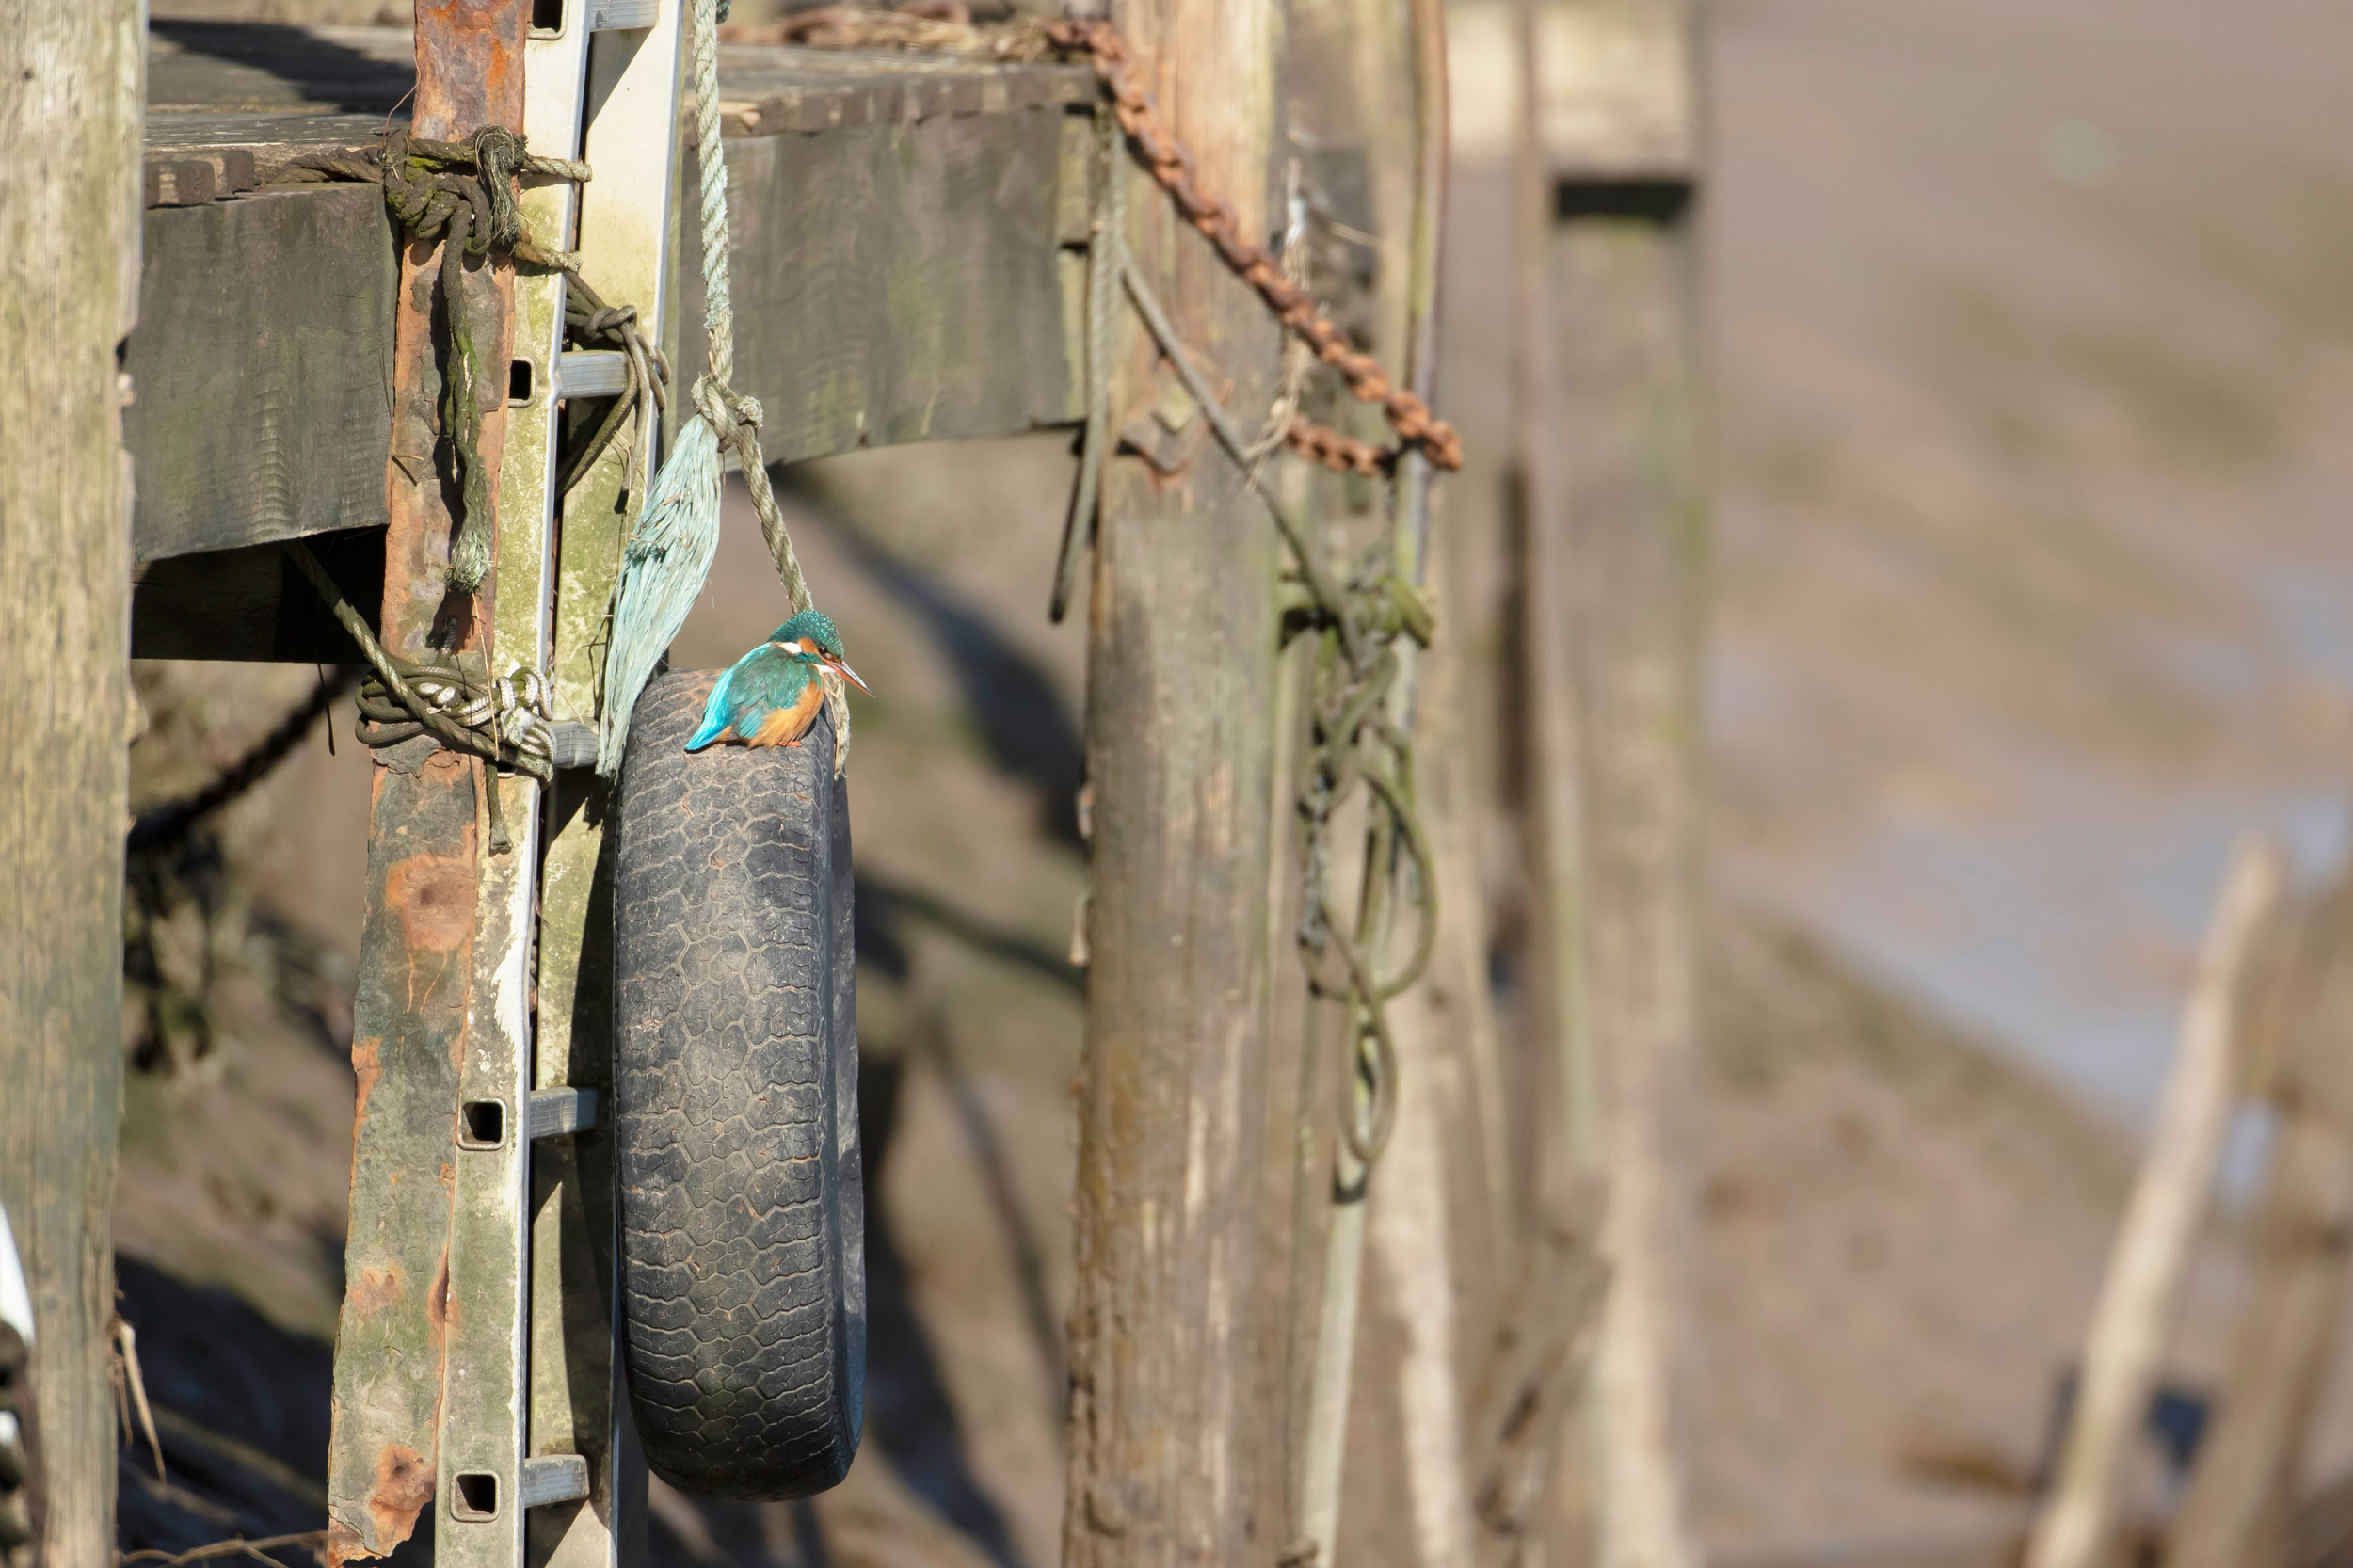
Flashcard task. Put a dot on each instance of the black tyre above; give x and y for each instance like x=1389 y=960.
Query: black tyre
x=735 y=1107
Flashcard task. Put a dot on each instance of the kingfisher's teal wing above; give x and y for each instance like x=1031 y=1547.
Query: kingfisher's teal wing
x=762 y=684
x=717 y=713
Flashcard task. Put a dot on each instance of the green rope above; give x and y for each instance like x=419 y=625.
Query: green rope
x=1352 y=742
x=504 y=722
x=463 y=193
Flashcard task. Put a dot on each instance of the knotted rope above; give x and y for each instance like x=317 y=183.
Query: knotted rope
x=504 y=721
x=462 y=193
x=669 y=552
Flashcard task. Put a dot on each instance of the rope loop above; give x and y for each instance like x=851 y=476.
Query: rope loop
x=1351 y=742
x=506 y=721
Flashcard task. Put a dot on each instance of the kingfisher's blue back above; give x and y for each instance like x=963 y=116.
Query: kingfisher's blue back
x=767 y=697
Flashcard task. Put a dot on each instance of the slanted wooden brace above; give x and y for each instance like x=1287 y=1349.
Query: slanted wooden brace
x=475 y=1366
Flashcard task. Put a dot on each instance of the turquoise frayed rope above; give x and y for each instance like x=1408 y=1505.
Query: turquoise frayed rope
x=669 y=553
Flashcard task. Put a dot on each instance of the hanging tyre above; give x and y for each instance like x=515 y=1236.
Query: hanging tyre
x=735 y=1107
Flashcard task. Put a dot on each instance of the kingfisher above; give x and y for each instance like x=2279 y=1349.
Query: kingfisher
x=773 y=694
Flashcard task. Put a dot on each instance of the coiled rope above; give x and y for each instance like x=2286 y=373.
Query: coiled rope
x=1353 y=742
x=504 y=721
x=464 y=194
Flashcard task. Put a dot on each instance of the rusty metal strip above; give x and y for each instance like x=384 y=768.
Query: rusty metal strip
x=417 y=979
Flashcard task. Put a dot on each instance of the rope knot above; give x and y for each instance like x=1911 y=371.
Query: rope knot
x=732 y=414
x=498 y=157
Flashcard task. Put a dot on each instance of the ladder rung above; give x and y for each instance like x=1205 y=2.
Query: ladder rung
x=552 y=1479
x=572 y=745
x=592 y=373
x=613 y=16
x=555 y=1112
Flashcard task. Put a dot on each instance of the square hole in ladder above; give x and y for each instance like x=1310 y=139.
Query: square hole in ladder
x=482 y=1124
x=477 y=1496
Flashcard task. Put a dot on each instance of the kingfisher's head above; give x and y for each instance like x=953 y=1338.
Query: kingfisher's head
x=812 y=638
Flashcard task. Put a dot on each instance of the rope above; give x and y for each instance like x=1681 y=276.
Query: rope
x=1103 y=251
x=463 y=193
x=504 y=722
x=669 y=553
x=1353 y=742
x=161 y=827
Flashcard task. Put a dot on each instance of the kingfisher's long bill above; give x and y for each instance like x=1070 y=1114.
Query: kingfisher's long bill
x=773 y=694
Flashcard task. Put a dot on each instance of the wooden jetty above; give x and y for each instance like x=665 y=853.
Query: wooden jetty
x=911 y=243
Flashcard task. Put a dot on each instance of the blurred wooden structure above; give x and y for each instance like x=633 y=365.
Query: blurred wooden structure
x=2140 y=1297
x=2265 y=1026
x=1613 y=504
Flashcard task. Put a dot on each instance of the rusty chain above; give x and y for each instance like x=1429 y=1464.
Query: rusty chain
x=1172 y=165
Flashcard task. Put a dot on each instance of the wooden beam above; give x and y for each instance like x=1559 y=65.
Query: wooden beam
x=1626 y=511
x=69 y=268
x=1170 y=1436
x=2140 y=1296
x=419 y=997
x=897 y=282
x=264 y=369
x=2236 y=1511
x=899 y=250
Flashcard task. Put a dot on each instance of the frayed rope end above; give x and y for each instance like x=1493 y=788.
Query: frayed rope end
x=664 y=567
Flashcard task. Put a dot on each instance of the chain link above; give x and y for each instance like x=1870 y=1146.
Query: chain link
x=1173 y=166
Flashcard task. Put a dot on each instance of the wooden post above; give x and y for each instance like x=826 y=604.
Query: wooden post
x=1627 y=503
x=2235 y=1514
x=1168 y=1437
x=69 y=117
x=2138 y=1299
x=417 y=1028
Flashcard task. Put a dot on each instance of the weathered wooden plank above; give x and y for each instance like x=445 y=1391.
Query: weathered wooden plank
x=194 y=63
x=896 y=281
x=1629 y=492
x=69 y=266
x=262 y=370
x=1173 y=1452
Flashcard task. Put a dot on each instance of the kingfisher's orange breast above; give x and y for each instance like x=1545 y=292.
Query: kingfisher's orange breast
x=784 y=725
